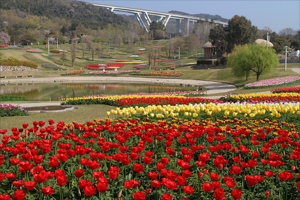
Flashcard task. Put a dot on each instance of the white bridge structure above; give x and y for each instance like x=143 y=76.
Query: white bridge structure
x=164 y=17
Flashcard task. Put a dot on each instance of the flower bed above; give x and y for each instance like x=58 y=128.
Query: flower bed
x=158 y=73
x=96 y=67
x=77 y=72
x=50 y=66
x=169 y=152
x=34 y=51
x=13 y=47
x=139 y=53
x=54 y=51
x=262 y=98
x=289 y=90
x=109 y=72
x=3 y=46
x=8 y=110
x=273 y=82
x=141 y=66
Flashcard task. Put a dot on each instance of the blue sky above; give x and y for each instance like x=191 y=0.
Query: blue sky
x=275 y=14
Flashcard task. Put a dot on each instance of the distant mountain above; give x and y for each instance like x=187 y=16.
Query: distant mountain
x=79 y=12
x=207 y=16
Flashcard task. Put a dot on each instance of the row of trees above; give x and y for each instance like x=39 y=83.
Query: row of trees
x=240 y=31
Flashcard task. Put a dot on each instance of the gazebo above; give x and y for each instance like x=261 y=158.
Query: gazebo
x=209 y=50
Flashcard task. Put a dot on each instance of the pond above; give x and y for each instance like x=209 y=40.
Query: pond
x=56 y=91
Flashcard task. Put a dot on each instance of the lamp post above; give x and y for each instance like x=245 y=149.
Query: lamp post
x=267 y=39
x=179 y=52
x=285 y=58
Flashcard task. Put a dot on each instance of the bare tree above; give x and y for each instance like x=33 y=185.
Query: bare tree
x=150 y=57
x=93 y=51
x=83 y=49
x=287 y=32
x=99 y=50
x=73 y=51
x=63 y=56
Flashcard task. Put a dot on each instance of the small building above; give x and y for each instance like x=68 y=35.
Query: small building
x=25 y=42
x=210 y=51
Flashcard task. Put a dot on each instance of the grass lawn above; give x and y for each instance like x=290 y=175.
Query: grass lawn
x=83 y=114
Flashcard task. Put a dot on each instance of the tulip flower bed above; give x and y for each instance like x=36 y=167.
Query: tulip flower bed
x=139 y=53
x=290 y=89
x=158 y=73
x=54 y=51
x=34 y=51
x=273 y=82
x=77 y=72
x=188 y=156
x=263 y=98
x=8 y=110
x=142 y=101
x=134 y=100
x=109 y=73
x=141 y=66
x=96 y=67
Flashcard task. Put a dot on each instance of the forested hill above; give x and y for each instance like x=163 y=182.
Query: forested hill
x=76 y=11
x=207 y=16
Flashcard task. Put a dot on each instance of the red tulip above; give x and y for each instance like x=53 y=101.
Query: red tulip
x=61 y=180
x=166 y=197
x=219 y=194
x=30 y=185
x=79 y=173
x=207 y=187
x=102 y=186
x=10 y=176
x=214 y=176
x=188 y=189
x=152 y=175
x=89 y=190
x=139 y=195
x=18 y=183
x=128 y=184
x=4 y=197
x=251 y=180
x=156 y=183
x=113 y=172
x=19 y=195
x=285 y=176
x=83 y=183
x=230 y=184
x=236 y=193
x=48 y=190
x=269 y=174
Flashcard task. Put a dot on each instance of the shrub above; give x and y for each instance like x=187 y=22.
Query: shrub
x=12 y=98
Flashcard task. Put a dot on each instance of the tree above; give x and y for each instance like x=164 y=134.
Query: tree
x=239 y=32
x=73 y=51
x=217 y=36
x=157 y=28
x=4 y=38
x=252 y=57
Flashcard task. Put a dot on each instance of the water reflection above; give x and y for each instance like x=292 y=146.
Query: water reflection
x=56 y=91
